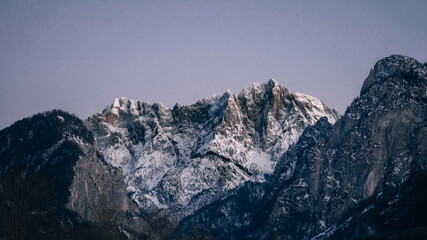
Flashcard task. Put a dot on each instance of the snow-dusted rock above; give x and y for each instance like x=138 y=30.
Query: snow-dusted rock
x=363 y=176
x=181 y=159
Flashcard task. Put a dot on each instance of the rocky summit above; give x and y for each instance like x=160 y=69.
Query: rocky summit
x=179 y=160
x=262 y=164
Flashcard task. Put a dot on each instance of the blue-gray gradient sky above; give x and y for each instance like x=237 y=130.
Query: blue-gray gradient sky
x=80 y=55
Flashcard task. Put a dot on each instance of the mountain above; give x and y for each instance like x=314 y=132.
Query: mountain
x=54 y=182
x=365 y=176
x=262 y=164
x=179 y=160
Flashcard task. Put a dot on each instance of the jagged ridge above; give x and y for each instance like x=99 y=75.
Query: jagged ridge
x=363 y=176
x=180 y=159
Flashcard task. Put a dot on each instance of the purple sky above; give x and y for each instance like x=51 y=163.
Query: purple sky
x=80 y=55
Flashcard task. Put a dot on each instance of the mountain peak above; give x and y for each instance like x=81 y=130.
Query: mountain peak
x=272 y=81
x=120 y=105
x=260 y=89
x=394 y=66
x=234 y=139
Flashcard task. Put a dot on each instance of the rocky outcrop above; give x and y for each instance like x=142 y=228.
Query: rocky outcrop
x=367 y=162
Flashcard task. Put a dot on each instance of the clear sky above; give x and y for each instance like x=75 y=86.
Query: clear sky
x=80 y=55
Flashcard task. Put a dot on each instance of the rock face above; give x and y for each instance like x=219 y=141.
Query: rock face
x=179 y=160
x=367 y=173
x=363 y=176
x=71 y=175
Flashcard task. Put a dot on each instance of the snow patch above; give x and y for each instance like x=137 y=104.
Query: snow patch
x=155 y=200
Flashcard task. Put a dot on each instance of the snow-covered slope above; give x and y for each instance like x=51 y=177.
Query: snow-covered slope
x=365 y=177
x=181 y=159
